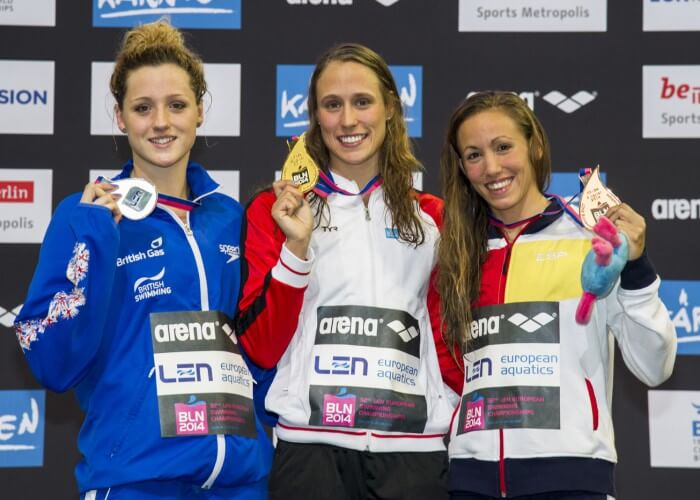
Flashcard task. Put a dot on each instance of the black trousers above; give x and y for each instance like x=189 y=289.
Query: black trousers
x=320 y=472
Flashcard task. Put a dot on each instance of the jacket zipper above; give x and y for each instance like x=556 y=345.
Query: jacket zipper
x=501 y=465
x=368 y=225
x=204 y=302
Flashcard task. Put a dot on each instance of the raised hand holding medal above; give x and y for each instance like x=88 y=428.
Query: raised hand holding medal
x=291 y=210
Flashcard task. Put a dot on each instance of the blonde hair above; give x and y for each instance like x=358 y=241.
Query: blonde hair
x=154 y=44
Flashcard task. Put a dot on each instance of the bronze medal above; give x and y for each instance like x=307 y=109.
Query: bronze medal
x=596 y=200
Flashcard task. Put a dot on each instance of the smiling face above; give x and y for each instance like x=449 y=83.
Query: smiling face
x=496 y=160
x=352 y=117
x=160 y=114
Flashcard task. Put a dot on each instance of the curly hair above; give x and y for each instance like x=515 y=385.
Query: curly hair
x=154 y=44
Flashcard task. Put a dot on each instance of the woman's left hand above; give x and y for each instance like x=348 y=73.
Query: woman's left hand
x=632 y=224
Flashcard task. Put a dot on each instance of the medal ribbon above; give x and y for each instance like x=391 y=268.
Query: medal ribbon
x=175 y=202
x=326 y=186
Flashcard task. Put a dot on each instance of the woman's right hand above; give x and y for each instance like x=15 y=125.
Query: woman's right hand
x=293 y=215
x=100 y=193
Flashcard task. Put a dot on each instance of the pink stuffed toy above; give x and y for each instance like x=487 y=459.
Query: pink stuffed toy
x=602 y=267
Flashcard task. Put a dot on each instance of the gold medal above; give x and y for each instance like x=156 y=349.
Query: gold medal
x=596 y=199
x=299 y=167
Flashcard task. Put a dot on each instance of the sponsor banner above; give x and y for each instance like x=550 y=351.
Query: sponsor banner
x=504 y=364
x=25 y=204
x=364 y=408
x=567 y=184
x=28 y=13
x=671 y=102
x=520 y=322
x=222 y=102
x=204 y=386
x=510 y=408
x=682 y=299
x=229 y=180
x=362 y=367
x=674 y=429
x=323 y=2
x=202 y=14
x=533 y=16
x=22 y=422
x=667 y=15
x=368 y=326
x=292 y=113
x=26 y=97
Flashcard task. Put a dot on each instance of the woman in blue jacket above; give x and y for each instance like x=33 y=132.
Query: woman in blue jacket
x=135 y=314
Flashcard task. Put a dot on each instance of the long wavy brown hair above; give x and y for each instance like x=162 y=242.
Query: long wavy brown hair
x=396 y=163
x=463 y=241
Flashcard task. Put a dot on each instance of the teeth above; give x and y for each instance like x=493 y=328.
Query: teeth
x=495 y=186
x=349 y=139
x=162 y=140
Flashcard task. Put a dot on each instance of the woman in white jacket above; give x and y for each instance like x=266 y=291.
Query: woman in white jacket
x=535 y=420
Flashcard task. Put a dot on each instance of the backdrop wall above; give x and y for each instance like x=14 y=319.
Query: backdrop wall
x=614 y=83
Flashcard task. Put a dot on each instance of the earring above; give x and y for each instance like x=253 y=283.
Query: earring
x=123 y=129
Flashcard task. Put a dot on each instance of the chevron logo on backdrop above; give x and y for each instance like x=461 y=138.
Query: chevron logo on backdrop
x=569 y=104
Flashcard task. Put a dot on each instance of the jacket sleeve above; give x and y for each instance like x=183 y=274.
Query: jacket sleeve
x=451 y=367
x=274 y=282
x=641 y=323
x=60 y=325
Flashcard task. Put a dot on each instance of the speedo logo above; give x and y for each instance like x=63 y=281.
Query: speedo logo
x=155 y=250
x=349 y=325
x=185 y=332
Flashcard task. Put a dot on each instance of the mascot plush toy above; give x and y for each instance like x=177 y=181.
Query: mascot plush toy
x=601 y=267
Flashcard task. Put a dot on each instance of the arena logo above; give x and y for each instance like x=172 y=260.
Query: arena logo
x=529 y=16
x=7 y=316
x=682 y=299
x=671 y=101
x=25 y=204
x=28 y=13
x=569 y=104
x=679 y=208
x=22 y=421
x=26 y=97
x=292 y=110
x=201 y=14
x=671 y=15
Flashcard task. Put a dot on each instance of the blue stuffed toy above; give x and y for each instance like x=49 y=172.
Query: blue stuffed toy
x=601 y=267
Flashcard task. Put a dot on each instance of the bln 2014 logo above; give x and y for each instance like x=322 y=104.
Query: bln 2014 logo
x=682 y=298
x=339 y=409
x=474 y=416
x=203 y=14
x=292 y=116
x=191 y=417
